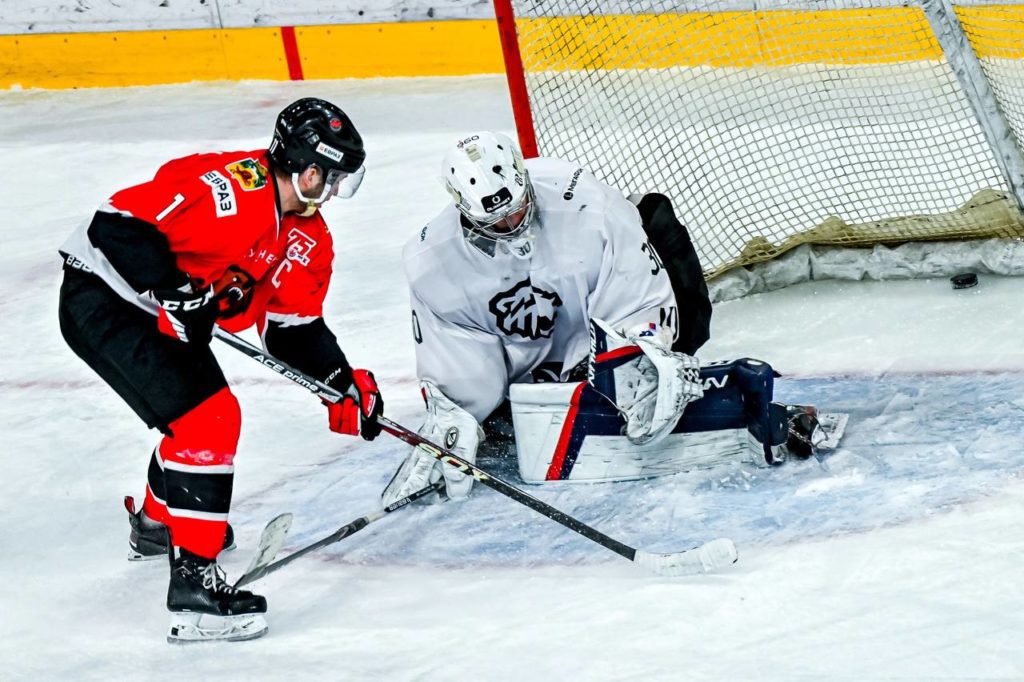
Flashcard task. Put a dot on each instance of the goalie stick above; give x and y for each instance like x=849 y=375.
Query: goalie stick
x=263 y=562
x=705 y=558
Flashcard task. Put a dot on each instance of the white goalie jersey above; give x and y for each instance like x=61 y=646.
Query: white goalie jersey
x=484 y=318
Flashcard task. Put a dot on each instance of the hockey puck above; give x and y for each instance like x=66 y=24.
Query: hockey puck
x=964 y=281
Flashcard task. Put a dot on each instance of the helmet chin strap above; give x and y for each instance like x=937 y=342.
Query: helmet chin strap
x=311 y=204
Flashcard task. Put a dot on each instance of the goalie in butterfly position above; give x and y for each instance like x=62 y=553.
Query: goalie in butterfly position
x=542 y=285
x=233 y=239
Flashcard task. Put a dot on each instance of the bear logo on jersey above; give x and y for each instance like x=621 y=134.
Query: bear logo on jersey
x=525 y=310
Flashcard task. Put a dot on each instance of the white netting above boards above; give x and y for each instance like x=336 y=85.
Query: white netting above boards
x=780 y=123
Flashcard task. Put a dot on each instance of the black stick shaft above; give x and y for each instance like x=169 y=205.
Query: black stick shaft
x=441 y=454
x=505 y=488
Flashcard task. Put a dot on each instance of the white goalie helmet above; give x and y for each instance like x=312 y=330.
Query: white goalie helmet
x=486 y=176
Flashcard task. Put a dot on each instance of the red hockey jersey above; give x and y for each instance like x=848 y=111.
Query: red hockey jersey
x=220 y=211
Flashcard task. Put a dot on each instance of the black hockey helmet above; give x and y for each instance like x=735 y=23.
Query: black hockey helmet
x=313 y=131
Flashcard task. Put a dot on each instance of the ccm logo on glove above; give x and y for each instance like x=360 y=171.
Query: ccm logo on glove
x=187 y=314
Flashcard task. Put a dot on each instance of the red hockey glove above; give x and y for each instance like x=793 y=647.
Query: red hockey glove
x=186 y=314
x=357 y=412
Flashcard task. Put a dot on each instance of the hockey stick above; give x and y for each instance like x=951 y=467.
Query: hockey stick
x=710 y=556
x=263 y=564
x=705 y=558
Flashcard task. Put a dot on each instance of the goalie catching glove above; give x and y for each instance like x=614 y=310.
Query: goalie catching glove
x=450 y=426
x=649 y=384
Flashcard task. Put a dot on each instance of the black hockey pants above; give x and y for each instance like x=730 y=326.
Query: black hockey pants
x=672 y=242
x=162 y=379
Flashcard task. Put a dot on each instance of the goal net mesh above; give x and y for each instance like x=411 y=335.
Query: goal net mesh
x=826 y=123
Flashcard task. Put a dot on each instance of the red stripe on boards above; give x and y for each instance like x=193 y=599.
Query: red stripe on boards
x=291 y=53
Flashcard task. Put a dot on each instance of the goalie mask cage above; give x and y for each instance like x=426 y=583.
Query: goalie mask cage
x=772 y=123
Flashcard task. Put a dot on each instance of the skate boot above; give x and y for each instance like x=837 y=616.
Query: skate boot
x=148 y=538
x=803 y=420
x=204 y=607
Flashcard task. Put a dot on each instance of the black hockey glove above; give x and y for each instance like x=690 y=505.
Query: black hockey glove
x=186 y=314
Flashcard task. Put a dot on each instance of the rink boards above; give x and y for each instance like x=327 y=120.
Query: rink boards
x=462 y=47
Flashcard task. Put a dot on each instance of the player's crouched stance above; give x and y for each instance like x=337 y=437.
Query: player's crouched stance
x=231 y=239
x=539 y=272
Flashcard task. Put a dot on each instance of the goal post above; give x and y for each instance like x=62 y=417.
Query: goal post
x=775 y=123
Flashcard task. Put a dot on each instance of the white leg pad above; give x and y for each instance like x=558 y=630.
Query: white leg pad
x=189 y=627
x=540 y=412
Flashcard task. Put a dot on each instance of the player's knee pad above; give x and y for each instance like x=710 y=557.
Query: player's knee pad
x=198 y=472
x=206 y=434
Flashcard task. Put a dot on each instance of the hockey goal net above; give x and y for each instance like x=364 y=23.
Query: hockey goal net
x=772 y=123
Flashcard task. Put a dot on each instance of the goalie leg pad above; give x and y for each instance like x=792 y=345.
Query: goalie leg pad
x=569 y=432
x=738 y=394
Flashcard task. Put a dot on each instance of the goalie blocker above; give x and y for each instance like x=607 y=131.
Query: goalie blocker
x=571 y=432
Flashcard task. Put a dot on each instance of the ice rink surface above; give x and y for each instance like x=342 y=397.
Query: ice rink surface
x=897 y=557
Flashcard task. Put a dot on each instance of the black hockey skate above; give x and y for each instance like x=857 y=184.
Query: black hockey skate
x=204 y=607
x=148 y=538
x=803 y=421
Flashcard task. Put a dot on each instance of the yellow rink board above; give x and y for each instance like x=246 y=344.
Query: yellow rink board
x=70 y=60
x=438 y=48
x=744 y=39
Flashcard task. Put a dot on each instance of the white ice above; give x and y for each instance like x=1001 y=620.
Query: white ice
x=897 y=557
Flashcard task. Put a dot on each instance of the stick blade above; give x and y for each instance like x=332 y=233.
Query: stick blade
x=271 y=541
x=709 y=557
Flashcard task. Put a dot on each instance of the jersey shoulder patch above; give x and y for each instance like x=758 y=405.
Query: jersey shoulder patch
x=249 y=173
x=222 y=192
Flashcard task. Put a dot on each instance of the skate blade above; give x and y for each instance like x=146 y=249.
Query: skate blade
x=134 y=555
x=831 y=427
x=187 y=628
